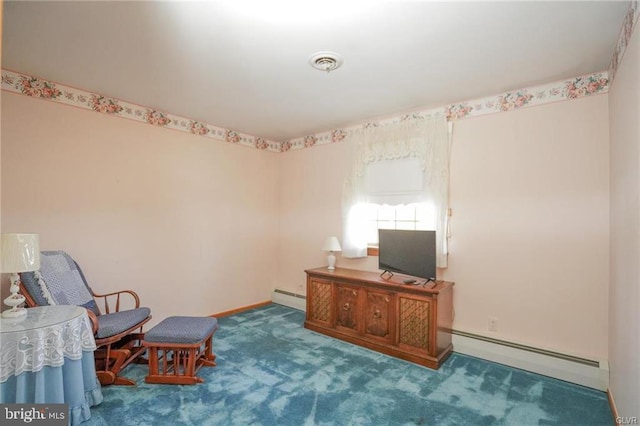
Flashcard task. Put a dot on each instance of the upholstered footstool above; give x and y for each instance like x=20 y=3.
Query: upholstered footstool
x=178 y=347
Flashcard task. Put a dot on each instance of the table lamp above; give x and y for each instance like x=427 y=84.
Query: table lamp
x=331 y=244
x=18 y=253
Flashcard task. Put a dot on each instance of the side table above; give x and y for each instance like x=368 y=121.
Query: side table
x=47 y=357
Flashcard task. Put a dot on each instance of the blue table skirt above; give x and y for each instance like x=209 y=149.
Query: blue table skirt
x=75 y=383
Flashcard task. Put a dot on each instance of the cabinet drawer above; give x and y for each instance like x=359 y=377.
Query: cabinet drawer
x=379 y=316
x=414 y=323
x=348 y=309
x=319 y=301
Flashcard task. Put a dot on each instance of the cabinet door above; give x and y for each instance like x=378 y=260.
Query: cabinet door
x=378 y=316
x=319 y=301
x=414 y=323
x=348 y=308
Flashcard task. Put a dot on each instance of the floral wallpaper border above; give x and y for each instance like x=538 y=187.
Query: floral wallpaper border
x=574 y=88
x=629 y=23
x=47 y=90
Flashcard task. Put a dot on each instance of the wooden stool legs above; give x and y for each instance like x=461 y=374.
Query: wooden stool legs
x=178 y=363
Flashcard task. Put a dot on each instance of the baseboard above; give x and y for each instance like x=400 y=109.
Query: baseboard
x=292 y=300
x=590 y=373
x=614 y=409
x=241 y=309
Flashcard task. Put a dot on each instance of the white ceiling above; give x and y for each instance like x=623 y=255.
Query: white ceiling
x=244 y=66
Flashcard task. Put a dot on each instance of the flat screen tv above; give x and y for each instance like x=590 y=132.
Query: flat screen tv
x=408 y=252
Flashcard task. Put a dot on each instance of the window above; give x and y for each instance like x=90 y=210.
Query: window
x=415 y=216
x=399 y=180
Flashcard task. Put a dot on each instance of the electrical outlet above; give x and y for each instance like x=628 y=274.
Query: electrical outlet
x=492 y=324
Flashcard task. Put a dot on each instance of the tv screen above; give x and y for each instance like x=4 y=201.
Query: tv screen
x=407 y=252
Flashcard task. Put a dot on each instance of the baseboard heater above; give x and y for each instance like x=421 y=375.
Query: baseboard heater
x=287 y=298
x=570 y=368
x=589 y=362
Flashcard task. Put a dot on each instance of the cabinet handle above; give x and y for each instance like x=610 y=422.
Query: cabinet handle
x=376 y=314
x=346 y=307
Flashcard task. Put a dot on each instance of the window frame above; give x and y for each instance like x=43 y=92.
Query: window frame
x=373 y=250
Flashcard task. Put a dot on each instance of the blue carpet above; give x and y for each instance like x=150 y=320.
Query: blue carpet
x=272 y=371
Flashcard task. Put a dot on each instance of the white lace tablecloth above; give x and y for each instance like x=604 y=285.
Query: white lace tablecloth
x=45 y=337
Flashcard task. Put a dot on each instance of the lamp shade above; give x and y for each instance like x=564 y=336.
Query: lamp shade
x=19 y=253
x=332 y=244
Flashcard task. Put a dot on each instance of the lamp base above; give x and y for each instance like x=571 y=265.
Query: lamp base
x=14 y=300
x=14 y=313
x=331 y=260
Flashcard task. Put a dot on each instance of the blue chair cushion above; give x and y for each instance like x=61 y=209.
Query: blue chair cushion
x=64 y=280
x=30 y=282
x=117 y=322
x=182 y=330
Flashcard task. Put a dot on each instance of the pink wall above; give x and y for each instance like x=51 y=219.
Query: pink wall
x=624 y=293
x=529 y=245
x=310 y=182
x=187 y=222
x=529 y=192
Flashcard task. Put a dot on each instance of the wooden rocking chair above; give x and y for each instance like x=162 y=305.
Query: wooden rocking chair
x=118 y=333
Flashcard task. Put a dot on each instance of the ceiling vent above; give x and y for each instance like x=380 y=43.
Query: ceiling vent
x=325 y=61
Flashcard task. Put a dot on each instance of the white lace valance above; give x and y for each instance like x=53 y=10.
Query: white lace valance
x=46 y=336
x=419 y=139
x=397 y=163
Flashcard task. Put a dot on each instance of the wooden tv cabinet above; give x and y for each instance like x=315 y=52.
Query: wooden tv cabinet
x=411 y=322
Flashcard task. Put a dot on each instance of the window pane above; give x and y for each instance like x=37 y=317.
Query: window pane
x=386 y=224
x=387 y=213
x=406 y=225
x=424 y=226
x=407 y=212
x=371 y=212
x=372 y=233
x=424 y=211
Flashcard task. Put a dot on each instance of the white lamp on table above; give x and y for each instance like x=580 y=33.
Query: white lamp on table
x=331 y=245
x=18 y=253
